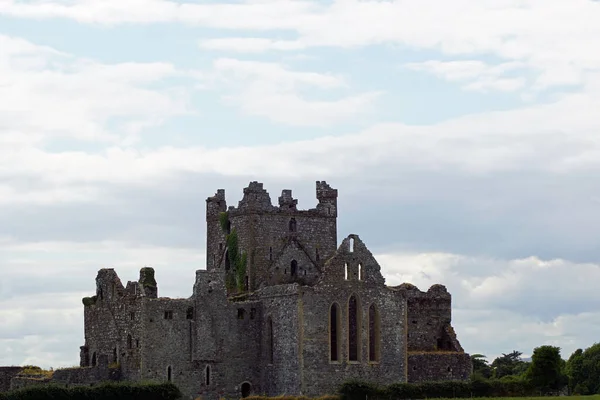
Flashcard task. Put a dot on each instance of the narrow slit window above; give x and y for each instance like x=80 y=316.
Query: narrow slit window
x=270 y=339
x=351 y=245
x=207 y=375
x=334 y=332
x=353 y=329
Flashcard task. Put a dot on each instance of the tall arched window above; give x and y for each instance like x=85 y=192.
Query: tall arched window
x=353 y=329
x=94 y=359
x=270 y=339
x=294 y=268
x=374 y=333
x=292 y=225
x=334 y=332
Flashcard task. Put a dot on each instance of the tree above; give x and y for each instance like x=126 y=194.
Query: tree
x=546 y=371
x=583 y=370
x=508 y=364
x=481 y=366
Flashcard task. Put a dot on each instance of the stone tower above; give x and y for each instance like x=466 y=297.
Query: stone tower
x=282 y=244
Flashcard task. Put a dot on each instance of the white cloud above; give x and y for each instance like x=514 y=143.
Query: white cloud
x=49 y=94
x=249 y=45
x=548 y=36
x=269 y=90
x=478 y=75
x=558 y=137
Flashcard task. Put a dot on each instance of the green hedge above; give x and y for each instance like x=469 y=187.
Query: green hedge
x=116 y=391
x=358 y=390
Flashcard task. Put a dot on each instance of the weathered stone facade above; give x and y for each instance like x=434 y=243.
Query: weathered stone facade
x=307 y=316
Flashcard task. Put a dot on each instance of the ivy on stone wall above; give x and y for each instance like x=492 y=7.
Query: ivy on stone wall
x=236 y=277
x=147 y=277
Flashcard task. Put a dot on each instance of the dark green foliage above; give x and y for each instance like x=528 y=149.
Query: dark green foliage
x=481 y=366
x=147 y=277
x=546 y=371
x=509 y=364
x=583 y=370
x=116 y=391
x=89 y=301
x=224 y=221
x=508 y=387
x=236 y=278
x=358 y=390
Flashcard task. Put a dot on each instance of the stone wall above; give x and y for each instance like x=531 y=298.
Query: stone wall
x=439 y=366
x=429 y=319
x=6 y=374
x=20 y=382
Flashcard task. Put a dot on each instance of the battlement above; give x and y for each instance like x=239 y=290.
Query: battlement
x=257 y=200
x=324 y=191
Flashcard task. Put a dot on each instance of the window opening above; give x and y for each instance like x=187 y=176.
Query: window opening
x=189 y=314
x=207 y=375
x=346 y=272
x=353 y=329
x=169 y=373
x=294 y=268
x=351 y=245
x=270 y=254
x=270 y=339
x=132 y=315
x=241 y=313
x=360 y=272
x=334 y=342
x=292 y=225
x=94 y=359
x=168 y=314
x=129 y=342
x=246 y=389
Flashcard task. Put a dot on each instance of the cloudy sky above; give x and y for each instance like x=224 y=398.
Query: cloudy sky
x=463 y=136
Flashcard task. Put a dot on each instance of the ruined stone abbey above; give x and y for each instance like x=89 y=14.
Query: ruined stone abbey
x=279 y=309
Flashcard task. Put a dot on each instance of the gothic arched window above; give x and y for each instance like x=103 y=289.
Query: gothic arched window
x=353 y=329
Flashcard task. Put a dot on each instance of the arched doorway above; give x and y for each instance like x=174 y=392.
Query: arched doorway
x=246 y=389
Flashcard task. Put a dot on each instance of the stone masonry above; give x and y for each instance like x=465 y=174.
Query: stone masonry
x=301 y=315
